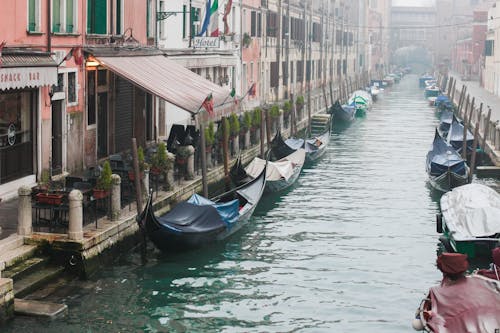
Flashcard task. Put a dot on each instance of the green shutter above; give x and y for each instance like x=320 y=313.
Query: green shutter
x=56 y=15
x=69 y=16
x=32 y=16
x=118 y=17
x=148 y=18
x=100 y=17
x=90 y=7
x=184 y=14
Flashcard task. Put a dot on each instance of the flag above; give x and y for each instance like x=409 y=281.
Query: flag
x=2 y=44
x=69 y=55
x=214 y=19
x=227 y=10
x=206 y=20
x=77 y=54
x=233 y=92
x=208 y=104
x=252 y=90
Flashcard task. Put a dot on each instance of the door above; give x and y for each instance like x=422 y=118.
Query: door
x=102 y=124
x=57 y=137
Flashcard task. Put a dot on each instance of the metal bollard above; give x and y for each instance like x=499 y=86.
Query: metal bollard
x=116 y=197
x=75 y=229
x=24 y=214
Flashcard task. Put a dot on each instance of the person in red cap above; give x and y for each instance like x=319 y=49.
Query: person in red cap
x=453 y=266
x=494 y=271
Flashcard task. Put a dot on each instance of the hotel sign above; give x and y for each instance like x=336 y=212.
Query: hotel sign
x=206 y=42
x=23 y=77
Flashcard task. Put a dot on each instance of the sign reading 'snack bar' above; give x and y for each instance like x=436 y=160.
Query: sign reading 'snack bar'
x=206 y=42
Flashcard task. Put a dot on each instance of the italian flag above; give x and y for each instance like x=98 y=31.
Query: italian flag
x=213 y=29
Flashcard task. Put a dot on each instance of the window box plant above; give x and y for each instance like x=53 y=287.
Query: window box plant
x=182 y=155
x=48 y=198
x=142 y=165
x=160 y=161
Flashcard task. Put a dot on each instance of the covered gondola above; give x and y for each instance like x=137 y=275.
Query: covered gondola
x=315 y=146
x=200 y=221
x=445 y=122
x=344 y=113
x=455 y=136
x=445 y=167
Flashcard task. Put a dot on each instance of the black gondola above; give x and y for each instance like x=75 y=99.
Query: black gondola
x=200 y=221
x=345 y=113
x=455 y=137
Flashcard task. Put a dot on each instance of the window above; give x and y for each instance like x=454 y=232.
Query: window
x=119 y=16
x=253 y=23
x=72 y=91
x=91 y=104
x=161 y=28
x=60 y=84
x=63 y=16
x=272 y=24
x=274 y=74
x=33 y=15
x=489 y=47
x=97 y=17
x=150 y=19
x=184 y=19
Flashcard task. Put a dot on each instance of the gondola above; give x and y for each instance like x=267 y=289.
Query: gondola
x=445 y=122
x=445 y=167
x=344 y=113
x=280 y=174
x=455 y=136
x=200 y=221
x=362 y=101
x=315 y=147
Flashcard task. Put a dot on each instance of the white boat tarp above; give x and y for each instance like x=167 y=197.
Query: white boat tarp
x=279 y=169
x=471 y=210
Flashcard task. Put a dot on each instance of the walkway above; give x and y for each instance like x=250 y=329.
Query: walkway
x=8 y=217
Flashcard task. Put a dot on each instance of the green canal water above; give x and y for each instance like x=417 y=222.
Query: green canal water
x=350 y=248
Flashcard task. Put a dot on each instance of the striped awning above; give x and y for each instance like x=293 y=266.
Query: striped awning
x=167 y=80
x=29 y=70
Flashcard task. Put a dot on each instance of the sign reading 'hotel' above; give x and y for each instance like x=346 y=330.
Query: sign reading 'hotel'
x=206 y=42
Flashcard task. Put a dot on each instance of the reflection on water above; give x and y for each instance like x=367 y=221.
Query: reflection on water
x=351 y=247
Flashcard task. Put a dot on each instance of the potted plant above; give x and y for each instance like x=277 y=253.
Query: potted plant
x=160 y=161
x=247 y=125
x=256 y=122
x=246 y=40
x=274 y=112
x=182 y=154
x=103 y=185
x=234 y=129
x=45 y=192
x=299 y=103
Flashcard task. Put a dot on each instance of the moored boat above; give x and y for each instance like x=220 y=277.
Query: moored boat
x=460 y=303
x=344 y=113
x=361 y=100
x=470 y=220
x=280 y=174
x=200 y=221
x=455 y=136
x=445 y=120
x=445 y=167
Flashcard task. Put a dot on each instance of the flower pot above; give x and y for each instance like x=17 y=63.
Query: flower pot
x=131 y=175
x=155 y=171
x=100 y=193
x=49 y=198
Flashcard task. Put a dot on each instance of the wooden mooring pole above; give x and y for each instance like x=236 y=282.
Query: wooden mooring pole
x=473 y=157
x=465 y=122
x=203 y=157
x=486 y=128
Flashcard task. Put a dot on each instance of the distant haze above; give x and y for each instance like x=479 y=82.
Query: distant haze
x=411 y=3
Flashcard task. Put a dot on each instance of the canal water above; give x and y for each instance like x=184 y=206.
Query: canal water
x=350 y=248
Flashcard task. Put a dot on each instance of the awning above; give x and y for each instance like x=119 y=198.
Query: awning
x=168 y=80
x=27 y=71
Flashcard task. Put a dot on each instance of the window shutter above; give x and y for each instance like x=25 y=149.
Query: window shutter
x=253 y=24
x=69 y=16
x=32 y=16
x=56 y=15
x=118 y=14
x=100 y=14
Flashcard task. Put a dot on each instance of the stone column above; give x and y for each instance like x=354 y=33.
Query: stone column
x=190 y=163
x=247 y=139
x=146 y=182
x=116 y=195
x=236 y=144
x=24 y=214
x=75 y=229
x=497 y=137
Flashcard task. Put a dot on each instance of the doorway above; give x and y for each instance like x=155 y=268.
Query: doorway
x=102 y=124
x=57 y=137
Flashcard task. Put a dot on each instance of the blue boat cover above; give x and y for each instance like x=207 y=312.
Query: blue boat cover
x=456 y=135
x=187 y=218
x=441 y=99
x=228 y=211
x=442 y=157
x=294 y=143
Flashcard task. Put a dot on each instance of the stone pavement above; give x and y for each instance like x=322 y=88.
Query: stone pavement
x=481 y=95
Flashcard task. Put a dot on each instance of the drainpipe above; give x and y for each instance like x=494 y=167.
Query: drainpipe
x=49 y=24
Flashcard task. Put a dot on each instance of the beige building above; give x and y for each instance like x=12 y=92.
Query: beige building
x=491 y=70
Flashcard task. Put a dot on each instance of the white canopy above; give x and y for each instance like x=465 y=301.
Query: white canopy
x=279 y=169
x=471 y=211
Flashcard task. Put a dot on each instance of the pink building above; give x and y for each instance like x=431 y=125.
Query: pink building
x=41 y=106
x=251 y=22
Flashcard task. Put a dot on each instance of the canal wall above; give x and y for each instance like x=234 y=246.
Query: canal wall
x=475 y=106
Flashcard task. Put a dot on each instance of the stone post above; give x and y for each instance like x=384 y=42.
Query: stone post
x=497 y=137
x=116 y=195
x=24 y=214
x=236 y=145
x=209 y=158
x=75 y=229
x=146 y=182
x=190 y=163
x=247 y=139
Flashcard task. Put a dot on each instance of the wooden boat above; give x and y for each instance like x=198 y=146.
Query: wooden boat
x=455 y=136
x=445 y=120
x=445 y=167
x=361 y=100
x=470 y=220
x=443 y=103
x=280 y=174
x=431 y=90
x=493 y=272
x=460 y=303
x=315 y=147
x=344 y=113
x=423 y=79
x=200 y=221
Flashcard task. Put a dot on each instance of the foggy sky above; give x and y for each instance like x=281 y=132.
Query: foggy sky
x=413 y=2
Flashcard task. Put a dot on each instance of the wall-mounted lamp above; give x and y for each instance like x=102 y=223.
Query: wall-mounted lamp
x=91 y=62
